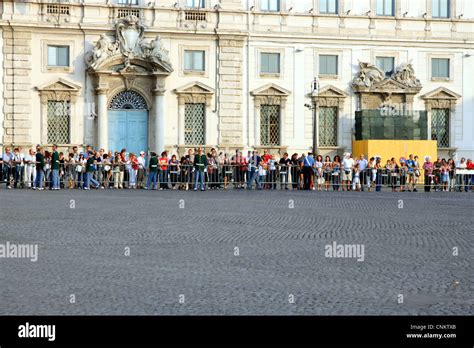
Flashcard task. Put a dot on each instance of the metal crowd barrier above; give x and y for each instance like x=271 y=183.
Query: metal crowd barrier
x=182 y=176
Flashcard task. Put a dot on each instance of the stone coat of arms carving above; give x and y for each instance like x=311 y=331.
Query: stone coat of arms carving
x=129 y=44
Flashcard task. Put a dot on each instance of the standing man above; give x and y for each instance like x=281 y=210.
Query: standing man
x=55 y=168
x=308 y=163
x=200 y=163
x=90 y=169
x=284 y=168
x=254 y=162
x=7 y=160
x=411 y=172
x=347 y=166
x=153 y=171
x=363 y=164
x=75 y=154
x=40 y=162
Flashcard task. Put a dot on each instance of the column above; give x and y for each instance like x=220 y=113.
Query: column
x=256 y=120
x=160 y=122
x=181 y=112
x=103 y=120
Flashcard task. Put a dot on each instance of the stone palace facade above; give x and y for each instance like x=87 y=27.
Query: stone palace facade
x=175 y=74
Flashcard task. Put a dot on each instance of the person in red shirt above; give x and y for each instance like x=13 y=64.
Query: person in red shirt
x=470 y=177
x=133 y=169
x=164 y=171
x=266 y=156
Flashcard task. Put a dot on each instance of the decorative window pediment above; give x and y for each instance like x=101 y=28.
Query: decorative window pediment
x=270 y=94
x=60 y=90
x=271 y=89
x=195 y=92
x=441 y=98
x=331 y=91
x=329 y=96
x=441 y=93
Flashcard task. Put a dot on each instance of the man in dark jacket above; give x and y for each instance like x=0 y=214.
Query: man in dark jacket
x=153 y=171
x=55 y=168
x=200 y=164
x=39 y=169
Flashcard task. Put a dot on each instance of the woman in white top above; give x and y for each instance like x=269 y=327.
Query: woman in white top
x=30 y=162
x=318 y=171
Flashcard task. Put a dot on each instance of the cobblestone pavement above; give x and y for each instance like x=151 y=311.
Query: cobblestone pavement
x=190 y=252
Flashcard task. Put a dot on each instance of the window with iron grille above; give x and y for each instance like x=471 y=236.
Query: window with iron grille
x=58 y=9
x=195 y=16
x=270 y=125
x=327 y=128
x=125 y=12
x=440 y=126
x=58 y=122
x=194 y=124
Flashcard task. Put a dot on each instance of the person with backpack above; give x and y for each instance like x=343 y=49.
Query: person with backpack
x=152 y=172
x=89 y=174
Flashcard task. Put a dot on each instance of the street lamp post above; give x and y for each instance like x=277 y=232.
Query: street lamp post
x=314 y=93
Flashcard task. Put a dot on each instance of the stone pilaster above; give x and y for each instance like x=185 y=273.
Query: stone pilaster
x=231 y=55
x=17 y=86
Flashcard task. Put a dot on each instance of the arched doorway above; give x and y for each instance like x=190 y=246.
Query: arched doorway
x=128 y=122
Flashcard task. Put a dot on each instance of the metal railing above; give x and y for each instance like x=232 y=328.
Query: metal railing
x=183 y=176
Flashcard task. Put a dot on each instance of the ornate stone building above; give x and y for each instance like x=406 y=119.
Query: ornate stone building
x=275 y=74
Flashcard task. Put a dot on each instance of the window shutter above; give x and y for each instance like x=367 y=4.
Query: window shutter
x=274 y=63
x=52 y=56
x=187 y=61
x=198 y=60
x=63 y=56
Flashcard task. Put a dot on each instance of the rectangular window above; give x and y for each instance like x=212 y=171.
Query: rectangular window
x=440 y=67
x=440 y=126
x=441 y=9
x=328 y=64
x=327 y=127
x=270 y=63
x=194 y=124
x=385 y=7
x=194 y=60
x=128 y=2
x=270 y=5
x=195 y=3
x=58 y=122
x=270 y=125
x=386 y=64
x=58 y=56
x=328 y=6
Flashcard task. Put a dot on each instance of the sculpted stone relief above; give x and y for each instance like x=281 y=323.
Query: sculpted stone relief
x=381 y=92
x=369 y=75
x=129 y=44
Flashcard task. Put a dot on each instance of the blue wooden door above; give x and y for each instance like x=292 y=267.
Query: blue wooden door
x=128 y=129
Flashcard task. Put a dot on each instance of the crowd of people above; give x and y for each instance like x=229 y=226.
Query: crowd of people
x=42 y=168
